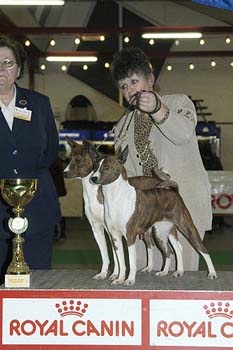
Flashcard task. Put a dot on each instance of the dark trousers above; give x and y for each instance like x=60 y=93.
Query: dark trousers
x=37 y=252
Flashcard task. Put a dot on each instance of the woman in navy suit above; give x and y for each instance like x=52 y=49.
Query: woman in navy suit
x=28 y=146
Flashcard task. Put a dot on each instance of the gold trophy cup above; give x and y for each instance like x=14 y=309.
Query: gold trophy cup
x=18 y=193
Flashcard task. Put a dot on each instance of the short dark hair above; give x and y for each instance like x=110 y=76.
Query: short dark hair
x=129 y=61
x=18 y=51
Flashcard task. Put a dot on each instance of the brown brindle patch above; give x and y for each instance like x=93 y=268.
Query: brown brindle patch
x=147 y=238
x=143 y=183
x=124 y=174
x=100 y=196
x=149 y=183
x=81 y=163
x=158 y=205
x=164 y=249
x=110 y=170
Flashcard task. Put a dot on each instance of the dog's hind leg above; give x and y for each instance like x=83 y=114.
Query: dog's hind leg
x=201 y=249
x=149 y=243
x=177 y=247
x=189 y=230
x=160 y=233
x=212 y=275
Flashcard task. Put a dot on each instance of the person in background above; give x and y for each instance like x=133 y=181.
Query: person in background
x=56 y=170
x=28 y=147
x=160 y=131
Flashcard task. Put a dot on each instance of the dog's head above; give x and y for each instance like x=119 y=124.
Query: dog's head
x=110 y=167
x=81 y=164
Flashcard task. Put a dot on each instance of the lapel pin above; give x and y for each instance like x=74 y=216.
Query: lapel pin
x=23 y=102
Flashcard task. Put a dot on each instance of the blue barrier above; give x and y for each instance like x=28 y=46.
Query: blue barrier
x=75 y=134
x=208 y=129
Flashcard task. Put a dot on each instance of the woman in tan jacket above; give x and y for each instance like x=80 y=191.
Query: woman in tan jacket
x=160 y=131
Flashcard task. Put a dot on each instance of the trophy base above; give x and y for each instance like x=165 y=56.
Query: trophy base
x=17 y=281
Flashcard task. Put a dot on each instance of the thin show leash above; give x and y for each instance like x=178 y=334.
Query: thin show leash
x=133 y=98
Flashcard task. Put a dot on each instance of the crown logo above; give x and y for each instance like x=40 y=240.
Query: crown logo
x=218 y=309
x=71 y=307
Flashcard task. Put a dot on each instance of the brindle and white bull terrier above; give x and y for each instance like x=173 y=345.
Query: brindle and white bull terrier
x=130 y=211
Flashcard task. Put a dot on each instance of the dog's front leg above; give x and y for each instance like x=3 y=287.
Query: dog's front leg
x=98 y=231
x=132 y=265
x=120 y=257
x=115 y=272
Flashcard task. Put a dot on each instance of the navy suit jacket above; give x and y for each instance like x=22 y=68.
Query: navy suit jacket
x=27 y=151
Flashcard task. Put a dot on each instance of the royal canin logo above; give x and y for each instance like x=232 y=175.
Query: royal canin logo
x=218 y=310
x=75 y=308
x=77 y=324
x=218 y=323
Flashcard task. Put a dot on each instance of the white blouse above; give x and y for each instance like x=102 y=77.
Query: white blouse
x=8 y=111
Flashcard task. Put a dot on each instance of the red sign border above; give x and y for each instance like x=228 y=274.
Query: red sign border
x=145 y=296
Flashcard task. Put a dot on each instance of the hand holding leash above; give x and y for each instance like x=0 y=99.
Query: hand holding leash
x=148 y=102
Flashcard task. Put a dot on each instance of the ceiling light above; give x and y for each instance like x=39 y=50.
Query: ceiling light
x=191 y=66
x=52 y=42
x=213 y=63
x=43 y=67
x=27 y=43
x=93 y=37
x=151 y=41
x=228 y=40
x=71 y=58
x=32 y=2
x=63 y=68
x=106 y=65
x=77 y=41
x=202 y=42
x=184 y=35
x=85 y=67
x=169 y=67
x=126 y=39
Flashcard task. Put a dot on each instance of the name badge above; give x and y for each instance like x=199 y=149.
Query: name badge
x=22 y=113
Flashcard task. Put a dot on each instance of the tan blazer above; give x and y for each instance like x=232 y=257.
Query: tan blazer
x=176 y=148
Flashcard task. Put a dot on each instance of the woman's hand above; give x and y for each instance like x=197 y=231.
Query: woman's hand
x=148 y=102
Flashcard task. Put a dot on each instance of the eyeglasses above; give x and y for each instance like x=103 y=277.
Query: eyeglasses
x=7 y=64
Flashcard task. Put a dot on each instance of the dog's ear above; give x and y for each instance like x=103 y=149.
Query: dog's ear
x=75 y=146
x=70 y=142
x=93 y=152
x=86 y=144
x=123 y=155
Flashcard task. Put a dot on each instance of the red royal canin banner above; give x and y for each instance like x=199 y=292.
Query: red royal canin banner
x=120 y=320
x=221 y=191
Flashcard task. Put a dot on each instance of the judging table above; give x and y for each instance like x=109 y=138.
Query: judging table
x=69 y=310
